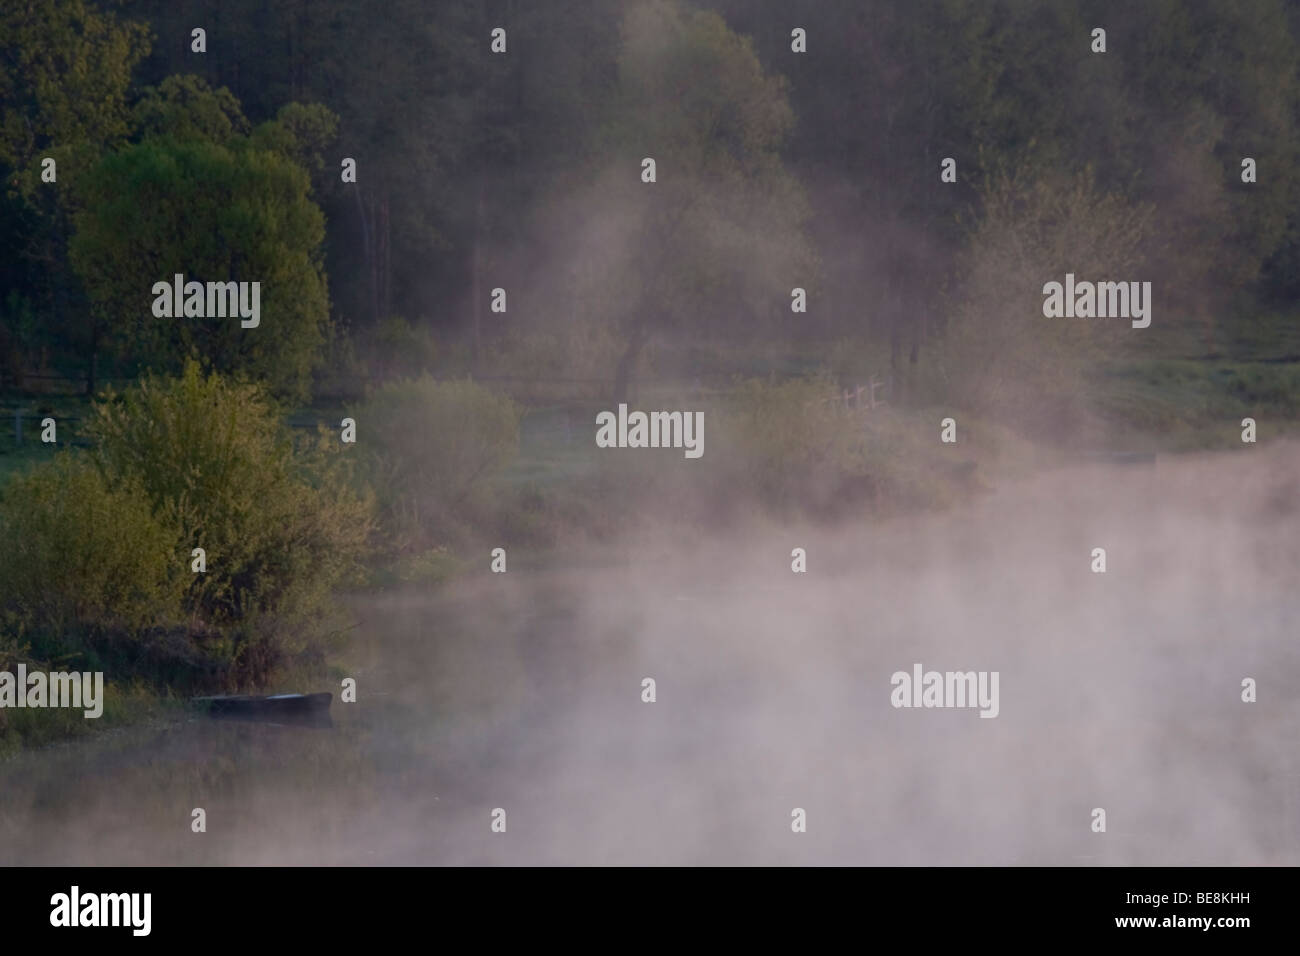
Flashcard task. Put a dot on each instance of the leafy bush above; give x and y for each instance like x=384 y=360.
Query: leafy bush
x=1000 y=356
x=795 y=448
x=83 y=559
x=97 y=547
x=788 y=442
x=429 y=445
x=281 y=526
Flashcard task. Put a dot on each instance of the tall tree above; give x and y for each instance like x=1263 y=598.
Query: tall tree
x=65 y=73
x=217 y=206
x=716 y=241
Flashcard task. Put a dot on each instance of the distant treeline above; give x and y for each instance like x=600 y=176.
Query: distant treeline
x=521 y=170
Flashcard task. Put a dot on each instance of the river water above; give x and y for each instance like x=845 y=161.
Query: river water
x=1119 y=691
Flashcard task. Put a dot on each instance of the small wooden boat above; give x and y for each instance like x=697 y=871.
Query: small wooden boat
x=280 y=708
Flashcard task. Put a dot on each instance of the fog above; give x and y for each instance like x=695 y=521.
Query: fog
x=522 y=691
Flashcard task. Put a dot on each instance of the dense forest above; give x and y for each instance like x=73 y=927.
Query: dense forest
x=518 y=170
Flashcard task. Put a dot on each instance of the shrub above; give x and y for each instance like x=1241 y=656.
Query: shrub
x=429 y=445
x=397 y=347
x=787 y=443
x=281 y=526
x=795 y=448
x=1000 y=356
x=82 y=559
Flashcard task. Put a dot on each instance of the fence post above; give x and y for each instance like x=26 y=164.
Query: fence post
x=18 y=426
x=875 y=384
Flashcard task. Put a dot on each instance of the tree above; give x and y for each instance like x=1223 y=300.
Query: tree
x=716 y=242
x=65 y=72
x=1033 y=226
x=1216 y=83
x=65 y=69
x=233 y=208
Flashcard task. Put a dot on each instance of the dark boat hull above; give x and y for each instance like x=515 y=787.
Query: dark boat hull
x=311 y=709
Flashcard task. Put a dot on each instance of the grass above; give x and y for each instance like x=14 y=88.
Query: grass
x=1257 y=336
x=555 y=446
x=124 y=706
x=1184 y=404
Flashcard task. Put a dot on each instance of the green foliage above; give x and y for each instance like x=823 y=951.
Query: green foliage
x=424 y=568
x=300 y=132
x=215 y=461
x=185 y=108
x=63 y=83
x=396 y=347
x=429 y=446
x=65 y=73
x=97 y=554
x=83 y=558
x=796 y=447
x=788 y=442
x=96 y=566
x=211 y=212
x=1179 y=404
x=1215 y=83
x=124 y=704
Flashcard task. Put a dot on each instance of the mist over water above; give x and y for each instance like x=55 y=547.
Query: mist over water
x=523 y=691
